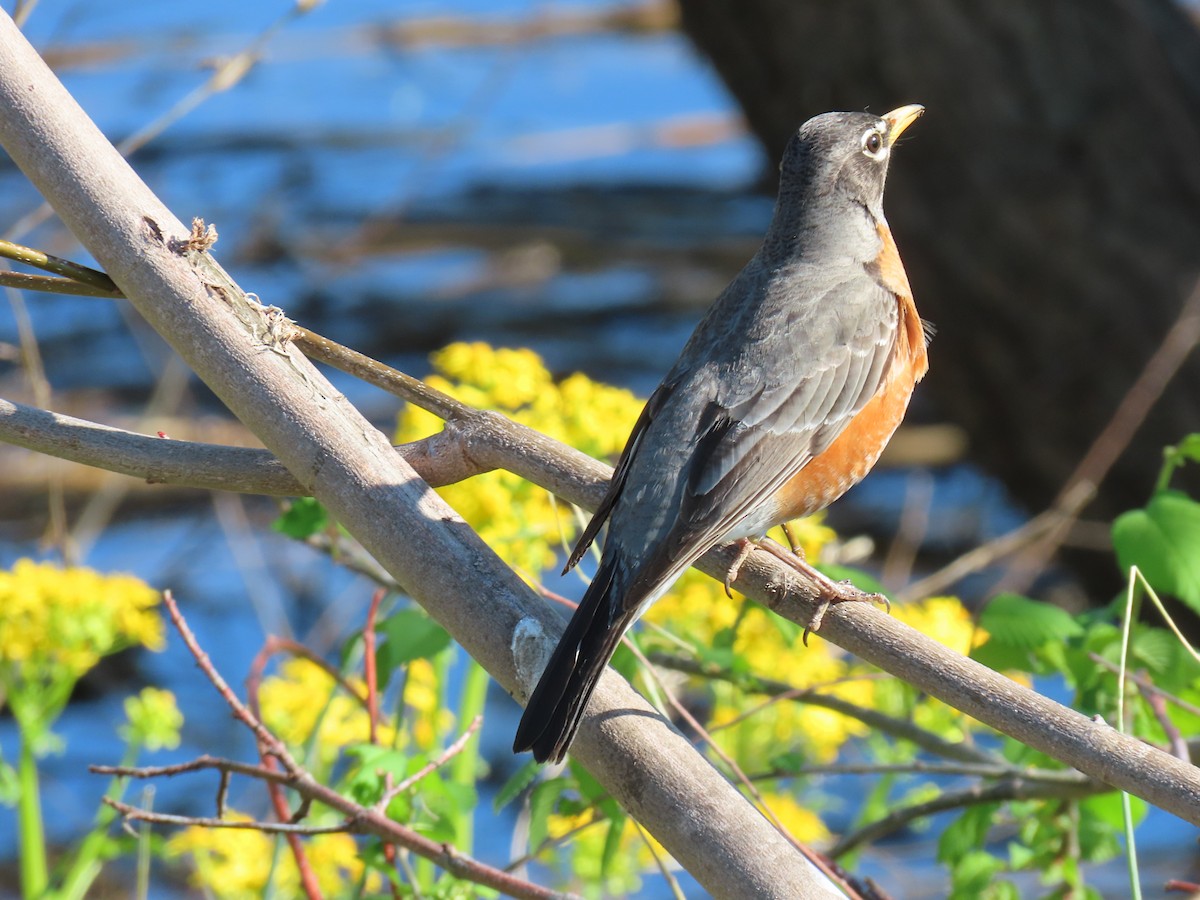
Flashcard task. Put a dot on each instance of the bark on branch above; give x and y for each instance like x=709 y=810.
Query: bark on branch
x=234 y=345
x=480 y=441
x=340 y=459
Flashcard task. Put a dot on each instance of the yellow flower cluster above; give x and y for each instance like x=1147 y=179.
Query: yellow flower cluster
x=304 y=698
x=154 y=719
x=422 y=695
x=521 y=521
x=800 y=822
x=236 y=863
x=698 y=608
x=57 y=623
x=945 y=620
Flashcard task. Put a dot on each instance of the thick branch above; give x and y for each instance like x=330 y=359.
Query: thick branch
x=237 y=348
x=488 y=440
x=211 y=467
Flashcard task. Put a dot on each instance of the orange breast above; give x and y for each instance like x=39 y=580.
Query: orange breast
x=857 y=449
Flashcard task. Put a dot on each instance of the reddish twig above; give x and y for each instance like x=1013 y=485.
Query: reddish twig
x=240 y=711
x=279 y=801
x=358 y=819
x=371 y=674
x=369 y=671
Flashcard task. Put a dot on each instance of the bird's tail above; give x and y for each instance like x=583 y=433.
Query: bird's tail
x=556 y=707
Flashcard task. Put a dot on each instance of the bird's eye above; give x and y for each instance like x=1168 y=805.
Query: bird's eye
x=872 y=144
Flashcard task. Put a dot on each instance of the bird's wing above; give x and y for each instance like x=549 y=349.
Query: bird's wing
x=620 y=473
x=788 y=395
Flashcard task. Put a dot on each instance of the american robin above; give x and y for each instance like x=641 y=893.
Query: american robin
x=783 y=398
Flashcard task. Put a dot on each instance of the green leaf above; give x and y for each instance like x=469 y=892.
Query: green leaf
x=612 y=844
x=303 y=518
x=1154 y=648
x=1163 y=540
x=1026 y=624
x=967 y=833
x=408 y=634
x=517 y=782
x=789 y=762
x=1187 y=450
x=541 y=804
x=1001 y=657
x=366 y=783
x=1107 y=808
x=974 y=873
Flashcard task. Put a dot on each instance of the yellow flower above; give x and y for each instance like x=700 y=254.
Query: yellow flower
x=800 y=822
x=236 y=863
x=945 y=620
x=518 y=520
x=304 y=697
x=423 y=695
x=232 y=863
x=154 y=719
x=57 y=623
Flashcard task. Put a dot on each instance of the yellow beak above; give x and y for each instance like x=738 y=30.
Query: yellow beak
x=900 y=119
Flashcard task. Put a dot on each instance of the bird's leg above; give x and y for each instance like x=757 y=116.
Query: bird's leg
x=829 y=591
x=745 y=548
x=792 y=542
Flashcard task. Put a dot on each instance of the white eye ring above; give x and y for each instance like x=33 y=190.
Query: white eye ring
x=873 y=143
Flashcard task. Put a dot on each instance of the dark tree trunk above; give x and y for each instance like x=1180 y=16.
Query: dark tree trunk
x=1047 y=206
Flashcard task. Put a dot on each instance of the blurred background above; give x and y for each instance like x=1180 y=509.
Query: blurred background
x=582 y=178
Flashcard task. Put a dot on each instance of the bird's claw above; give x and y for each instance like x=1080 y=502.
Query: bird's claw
x=847 y=593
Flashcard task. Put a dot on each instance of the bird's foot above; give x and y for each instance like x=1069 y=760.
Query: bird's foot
x=844 y=592
x=745 y=548
x=797 y=549
x=829 y=592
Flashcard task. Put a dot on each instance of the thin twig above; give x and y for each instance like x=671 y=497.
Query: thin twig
x=288 y=828
x=81 y=277
x=199 y=764
x=432 y=766
x=918 y=767
x=1112 y=441
x=369 y=664
x=357 y=818
x=663 y=869
x=46 y=284
x=1009 y=789
x=901 y=729
x=279 y=801
x=240 y=711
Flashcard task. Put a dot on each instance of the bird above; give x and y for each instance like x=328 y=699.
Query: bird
x=782 y=399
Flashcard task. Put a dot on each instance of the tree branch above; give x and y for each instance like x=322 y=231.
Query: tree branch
x=239 y=349
x=479 y=441
x=358 y=819
x=1009 y=789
